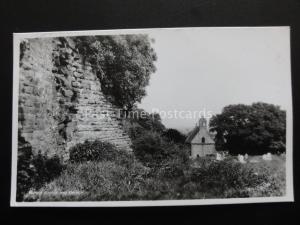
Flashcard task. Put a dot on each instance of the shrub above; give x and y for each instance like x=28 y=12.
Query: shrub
x=34 y=170
x=153 y=150
x=24 y=171
x=46 y=169
x=135 y=131
x=170 y=170
x=174 y=135
x=149 y=148
x=93 y=151
x=226 y=178
x=100 y=151
x=174 y=166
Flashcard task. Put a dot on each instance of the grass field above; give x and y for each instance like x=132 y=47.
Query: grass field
x=276 y=168
x=103 y=181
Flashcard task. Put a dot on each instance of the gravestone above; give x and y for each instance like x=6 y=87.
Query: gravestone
x=219 y=157
x=267 y=157
x=241 y=159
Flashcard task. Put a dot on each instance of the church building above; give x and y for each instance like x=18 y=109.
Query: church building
x=201 y=141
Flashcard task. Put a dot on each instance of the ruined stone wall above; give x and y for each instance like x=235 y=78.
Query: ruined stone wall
x=60 y=99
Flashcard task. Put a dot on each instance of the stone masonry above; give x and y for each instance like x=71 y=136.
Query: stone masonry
x=60 y=99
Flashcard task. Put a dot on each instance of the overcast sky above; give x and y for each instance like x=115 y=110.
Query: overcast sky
x=209 y=68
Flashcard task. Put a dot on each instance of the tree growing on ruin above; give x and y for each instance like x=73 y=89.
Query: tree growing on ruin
x=123 y=63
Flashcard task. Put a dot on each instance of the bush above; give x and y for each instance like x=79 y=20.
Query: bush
x=46 y=169
x=99 y=151
x=149 y=147
x=174 y=135
x=25 y=170
x=93 y=151
x=169 y=170
x=225 y=179
x=34 y=170
x=153 y=150
x=135 y=131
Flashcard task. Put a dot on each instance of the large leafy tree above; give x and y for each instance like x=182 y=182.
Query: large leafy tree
x=174 y=135
x=252 y=129
x=123 y=64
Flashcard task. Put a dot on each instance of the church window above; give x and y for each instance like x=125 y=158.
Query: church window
x=203 y=140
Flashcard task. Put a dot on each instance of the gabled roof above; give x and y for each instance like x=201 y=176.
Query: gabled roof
x=192 y=134
x=195 y=131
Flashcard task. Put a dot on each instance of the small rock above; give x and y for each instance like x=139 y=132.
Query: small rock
x=67 y=93
x=77 y=74
x=75 y=84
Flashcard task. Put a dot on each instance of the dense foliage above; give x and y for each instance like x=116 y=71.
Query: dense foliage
x=96 y=181
x=174 y=136
x=99 y=151
x=148 y=121
x=92 y=151
x=123 y=64
x=254 y=129
x=34 y=171
x=160 y=170
x=45 y=169
x=25 y=171
x=152 y=149
x=152 y=143
x=108 y=180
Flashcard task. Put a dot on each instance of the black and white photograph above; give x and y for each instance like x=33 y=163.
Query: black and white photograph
x=152 y=117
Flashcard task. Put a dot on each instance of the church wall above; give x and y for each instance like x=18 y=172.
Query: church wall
x=202 y=133
x=202 y=150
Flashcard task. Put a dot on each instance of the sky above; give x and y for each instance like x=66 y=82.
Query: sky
x=205 y=69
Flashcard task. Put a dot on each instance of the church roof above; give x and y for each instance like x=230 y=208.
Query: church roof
x=192 y=134
x=195 y=131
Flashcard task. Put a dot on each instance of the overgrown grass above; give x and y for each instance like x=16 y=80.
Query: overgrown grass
x=108 y=180
x=98 y=171
x=96 y=181
x=276 y=172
